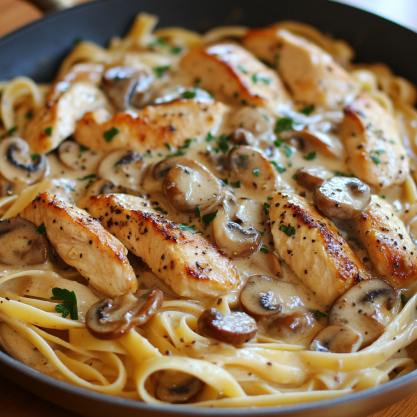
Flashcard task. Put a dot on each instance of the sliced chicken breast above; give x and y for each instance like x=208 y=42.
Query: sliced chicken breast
x=376 y=154
x=191 y=265
x=234 y=75
x=150 y=128
x=69 y=99
x=311 y=74
x=312 y=246
x=388 y=243
x=83 y=243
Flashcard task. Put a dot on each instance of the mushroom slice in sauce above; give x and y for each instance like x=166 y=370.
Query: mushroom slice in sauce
x=124 y=167
x=21 y=243
x=367 y=308
x=127 y=86
x=252 y=169
x=109 y=319
x=336 y=339
x=310 y=178
x=176 y=387
x=342 y=198
x=74 y=156
x=292 y=327
x=252 y=120
x=190 y=185
x=17 y=164
x=235 y=329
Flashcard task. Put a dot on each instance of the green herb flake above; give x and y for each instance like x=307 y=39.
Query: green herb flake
x=188 y=94
x=198 y=211
x=244 y=157
x=278 y=143
x=69 y=188
x=187 y=228
x=287 y=151
x=283 y=124
x=110 y=134
x=168 y=146
x=208 y=218
x=258 y=79
x=11 y=130
x=209 y=137
x=87 y=177
x=310 y=156
x=295 y=177
x=178 y=153
x=235 y=184
x=161 y=210
x=256 y=172
x=84 y=148
x=280 y=168
x=375 y=159
x=160 y=71
x=29 y=115
x=222 y=143
x=342 y=174
x=175 y=50
x=266 y=207
x=269 y=198
x=308 y=110
x=242 y=69
x=403 y=299
x=377 y=132
x=34 y=157
x=318 y=313
x=41 y=229
x=48 y=131
x=187 y=143
x=379 y=151
x=382 y=196
x=288 y=230
x=264 y=250
x=69 y=302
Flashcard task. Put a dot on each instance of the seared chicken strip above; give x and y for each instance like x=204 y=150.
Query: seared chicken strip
x=388 y=243
x=312 y=246
x=372 y=139
x=191 y=265
x=83 y=243
x=234 y=75
x=69 y=99
x=311 y=73
x=150 y=128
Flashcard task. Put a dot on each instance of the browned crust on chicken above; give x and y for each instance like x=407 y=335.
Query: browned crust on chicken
x=83 y=243
x=191 y=265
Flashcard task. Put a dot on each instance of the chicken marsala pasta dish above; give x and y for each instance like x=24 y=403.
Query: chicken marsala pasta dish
x=218 y=220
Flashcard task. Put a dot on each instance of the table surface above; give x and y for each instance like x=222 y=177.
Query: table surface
x=16 y=402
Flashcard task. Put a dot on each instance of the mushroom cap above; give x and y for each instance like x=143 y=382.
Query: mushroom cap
x=109 y=319
x=73 y=156
x=365 y=308
x=21 y=243
x=336 y=338
x=235 y=329
x=342 y=198
x=311 y=178
x=292 y=326
x=17 y=164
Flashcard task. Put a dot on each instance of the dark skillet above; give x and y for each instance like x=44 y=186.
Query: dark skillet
x=36 y=51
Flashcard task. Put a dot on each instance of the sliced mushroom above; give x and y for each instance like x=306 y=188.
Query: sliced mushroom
x=243 y=137
x=190 y=185
x=109 y=319
x=311 y=178
x=75 y=156
x=22 y=243
x=17 y=164
x=235 y=237
x=342 y=198
x=292 y=326
x=235 y=329
x=336 y=339
x=252 y=169
x=124 y=167
x=252 y=120
x=264 y=298
x=127 y=86
x=367 y=308
x=176 y=387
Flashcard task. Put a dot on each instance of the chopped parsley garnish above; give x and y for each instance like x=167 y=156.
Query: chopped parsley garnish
x=266 y=206
x=295 y=177
x=342 y=174
x=235 y=184
x=161 y=210
x=188 y=94
x=69 y=188
x=34 y=157
x=375 y=159
x=379 y=151
x=318 y=313
x=175 y=50
x=84 y=148
x=256 y=172
x=225 y=180
x=187 y=143
x=287 y=151
x=264 y=250
x=288 y=230
x=310 y=156
x=280 y=168
x=222 y=142
x=29 y=115
x=69 y=302
x=168 y=146
x=377 y=132
x=403 y=299
x=160 y=71
x=178 y=153
x=244 y=157
x=48 y=131
x=41 y=229
x=208 y=218
x=87 y=177
x=382 y=196
x=278 y=142
x=269 y=198
x=308 y=110
x=187 y=228
x=198 y=211
x=209 y=137
x=242 y=69
x=110 y=134
x=283 y=124
x=257 y=79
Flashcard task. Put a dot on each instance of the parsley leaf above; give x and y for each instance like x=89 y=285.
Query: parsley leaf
x=379 y=151
x=208 y=218
x=278 y=143
x=310 y=156
x=84 y=148
x=29 y=115
x=244 y=156
x=266 y=206
x=375 y=159
x=198 y=211
x=178 y=153
x=256 y=172
x=283 y=124
x=41 y=229
x=69 y=302
x=12 y=130
x=160 y=71
x=235 y=184
x=168 y=146
x=222 y=142
x=187 y=228
x=187 y=143
x=209 y=137
x=242 y=69
x=269 y=198
x=188 y=94
x=161 y=210
x=308 y=110
x=264 y=250
x=318 y=313
x=257 y=79
x=280 y=168
x=110 y=134
x=403 y=299
x=34 y=157
x=287 y=151
x=288 y=230
x=48 y=131
x=87 y=177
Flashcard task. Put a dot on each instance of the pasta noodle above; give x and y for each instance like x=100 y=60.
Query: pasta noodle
x=278 y=363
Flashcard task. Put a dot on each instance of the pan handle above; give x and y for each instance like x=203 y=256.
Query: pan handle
x=51 y=5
